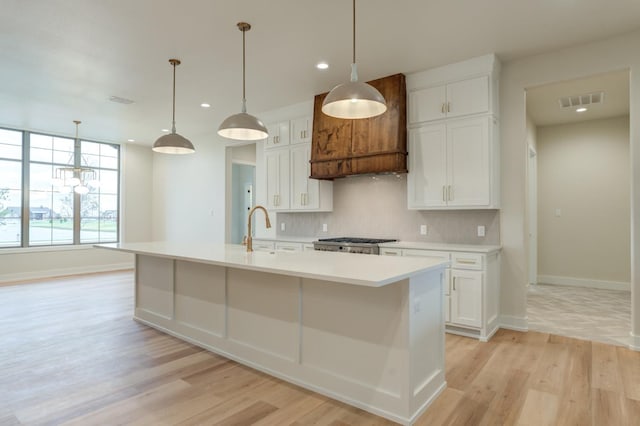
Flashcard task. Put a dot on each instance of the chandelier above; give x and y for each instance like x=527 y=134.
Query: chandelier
x=77 y=178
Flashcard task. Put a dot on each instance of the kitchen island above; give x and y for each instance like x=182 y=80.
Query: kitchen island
x=366 y=330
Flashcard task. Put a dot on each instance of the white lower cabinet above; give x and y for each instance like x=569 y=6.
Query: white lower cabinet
x=466 y=298
x=471 y=289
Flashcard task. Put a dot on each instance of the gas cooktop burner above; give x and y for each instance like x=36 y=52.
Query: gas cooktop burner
x=351 y=245
x=355 y=240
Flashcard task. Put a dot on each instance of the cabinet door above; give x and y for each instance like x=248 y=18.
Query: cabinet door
x=426 y=182
x=468 y=162
x=468 y=97
x=277 y=179
x=301 y=130
x=466 y=298
x=427 y=104
x=305 y=192
x=278 y=134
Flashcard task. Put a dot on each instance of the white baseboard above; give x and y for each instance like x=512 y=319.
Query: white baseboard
x=514 y=323
x=76 y=270
x=635 y=342
x=583 y=282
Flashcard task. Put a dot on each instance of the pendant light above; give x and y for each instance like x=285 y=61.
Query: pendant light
x=173 y=143
x=354 y=99
x=243 y=126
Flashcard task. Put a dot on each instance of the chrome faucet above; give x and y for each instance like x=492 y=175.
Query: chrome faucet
x=249 y=230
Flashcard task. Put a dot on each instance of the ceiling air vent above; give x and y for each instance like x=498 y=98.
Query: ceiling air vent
x=120 y=100
x=576 y=101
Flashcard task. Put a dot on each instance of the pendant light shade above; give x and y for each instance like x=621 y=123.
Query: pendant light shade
x=354 y=99
x=243 y=126
x=173 y=143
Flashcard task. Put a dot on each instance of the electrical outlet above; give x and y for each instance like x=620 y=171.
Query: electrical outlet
x=423 y=229
x=558 y=212
x=324 y=227
x=481 y=231
x=282 y=226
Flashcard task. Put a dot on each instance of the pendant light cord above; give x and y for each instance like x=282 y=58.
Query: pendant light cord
x=354 y=68
x=173 y=125
x=354 y=32
x=244 y=98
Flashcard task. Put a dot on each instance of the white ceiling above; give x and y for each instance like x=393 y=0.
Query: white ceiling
x=544 y=109
x=62 y=59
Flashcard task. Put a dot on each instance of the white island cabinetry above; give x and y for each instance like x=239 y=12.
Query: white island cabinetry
x=366 y=330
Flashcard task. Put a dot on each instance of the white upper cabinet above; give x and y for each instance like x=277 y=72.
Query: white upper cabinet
x=427 y=166
x=451 y=165
x=301 y=129
x=455 y=99
x=427 y=104
x=454 y=152
x=468 y=97
x=277 y=179
x=278 y=134
x=468 y=162
x=285 y=169
x=304 y=191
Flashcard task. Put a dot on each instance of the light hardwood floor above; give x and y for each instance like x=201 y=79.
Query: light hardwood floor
x=71 y=354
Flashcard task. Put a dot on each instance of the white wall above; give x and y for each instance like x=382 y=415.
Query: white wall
x=189 y=194
x=599 y=57
x=583 y=173
x=135 y=199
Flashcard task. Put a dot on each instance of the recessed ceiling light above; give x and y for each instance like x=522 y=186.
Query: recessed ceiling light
x=165 y=130
x=205 y=105
x=131 y=140
x=322 y=65
x=581 y=109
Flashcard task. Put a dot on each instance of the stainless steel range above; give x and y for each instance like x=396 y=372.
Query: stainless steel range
x=350 y=245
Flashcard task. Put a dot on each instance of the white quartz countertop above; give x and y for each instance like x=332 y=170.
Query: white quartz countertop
x=347 y=268
x=471 y=248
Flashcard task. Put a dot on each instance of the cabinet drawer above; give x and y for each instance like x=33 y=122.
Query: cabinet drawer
x=263 y=245
x=288 y=247
x=442 y=255
x=467 y=261
x=390 y=252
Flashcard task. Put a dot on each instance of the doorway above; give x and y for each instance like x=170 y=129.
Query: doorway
x=240 y=188
x=579 y=208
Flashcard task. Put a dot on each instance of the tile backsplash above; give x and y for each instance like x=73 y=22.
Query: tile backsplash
x=376 y=207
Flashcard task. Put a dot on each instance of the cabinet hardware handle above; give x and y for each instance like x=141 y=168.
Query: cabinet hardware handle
x=448 y=106
x=454 y=283
x=390 y=253
x=442 y=109
x=466 y=261
x=450 y=197
x=444 y=193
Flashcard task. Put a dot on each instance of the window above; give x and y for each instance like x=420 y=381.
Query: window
x=99 y=208
x=10 y=188
x=57 y=215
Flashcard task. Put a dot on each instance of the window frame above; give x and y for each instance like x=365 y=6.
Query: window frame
x=77 y=211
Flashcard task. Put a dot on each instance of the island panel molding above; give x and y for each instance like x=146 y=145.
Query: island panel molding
x=376 y=342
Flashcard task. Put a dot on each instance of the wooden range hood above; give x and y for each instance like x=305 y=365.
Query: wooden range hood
x=342 y=148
